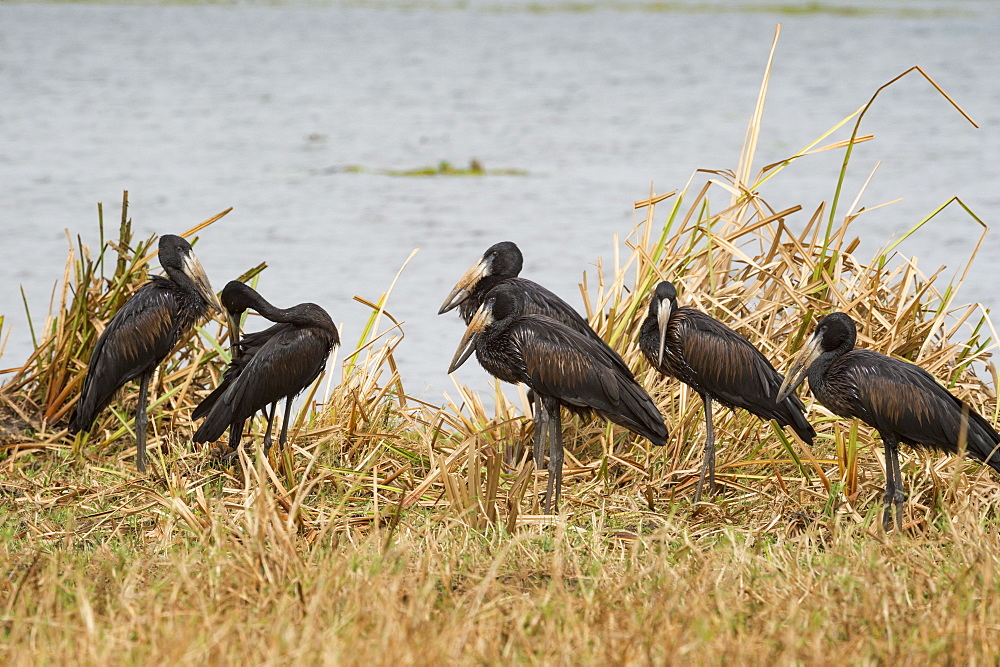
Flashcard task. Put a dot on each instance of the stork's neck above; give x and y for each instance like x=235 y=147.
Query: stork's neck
x=820 y=367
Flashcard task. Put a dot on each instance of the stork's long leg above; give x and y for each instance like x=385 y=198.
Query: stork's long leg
x=542 y=434
x=890 y=485
x=894 y=491
x=284 y=424
x=708 y=462
x=541 y=426
x=900 y=494
x=140 y=422
x=553 y=421
x=270 y=425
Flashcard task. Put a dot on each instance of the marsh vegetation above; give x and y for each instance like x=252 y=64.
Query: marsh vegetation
x=409 y=531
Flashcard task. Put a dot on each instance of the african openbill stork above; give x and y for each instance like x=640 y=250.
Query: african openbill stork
x=562 y=366
x=242 y=349
x=273 y=364
x=902 y=401
x=141 y=335
x=719 y=364
x=501 y=265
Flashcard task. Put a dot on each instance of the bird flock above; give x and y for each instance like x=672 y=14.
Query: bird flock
x=520 y=332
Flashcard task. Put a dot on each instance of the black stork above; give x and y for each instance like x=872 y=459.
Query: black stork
x=501 y=265
x=719 y=364
x=141 y=335
x=273 y=364
x=242 y=349
x=562 y=366
x=902 y=401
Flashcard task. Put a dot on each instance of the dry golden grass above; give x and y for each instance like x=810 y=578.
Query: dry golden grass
x=401 y=532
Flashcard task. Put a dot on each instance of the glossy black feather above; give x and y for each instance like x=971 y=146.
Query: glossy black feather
x=712 y=359
x=142 y=333
x=246 y=347
x=561 y=363
x=287 y=363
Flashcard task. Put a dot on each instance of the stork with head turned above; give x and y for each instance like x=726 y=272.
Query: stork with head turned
x=141 y=335
x=274 y=364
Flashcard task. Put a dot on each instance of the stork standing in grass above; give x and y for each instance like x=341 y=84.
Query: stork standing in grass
x=899 y=399
x=274 y=364
x=720 y=365
x=141 y=335
x=563 y=367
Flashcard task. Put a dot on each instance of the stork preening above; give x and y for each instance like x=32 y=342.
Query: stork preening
x=274 y=364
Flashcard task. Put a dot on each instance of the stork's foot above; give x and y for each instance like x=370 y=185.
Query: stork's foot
x=228 y=458
x=894 y=497
x=708 y=472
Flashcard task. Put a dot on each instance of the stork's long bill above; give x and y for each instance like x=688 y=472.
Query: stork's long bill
x=465 y=285
x=234 y=330
x=196 y=272
x=800 y=366
x=662 y=319
x=482 y=319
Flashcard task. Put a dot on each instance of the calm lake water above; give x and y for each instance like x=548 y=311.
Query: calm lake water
x=197 y=108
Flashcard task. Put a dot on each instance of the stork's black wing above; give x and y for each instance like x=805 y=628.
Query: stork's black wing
x=582 y=373
x=906 y=401
x=249 y=345
x=140 y=335
x=285 y=365
x=721 y=362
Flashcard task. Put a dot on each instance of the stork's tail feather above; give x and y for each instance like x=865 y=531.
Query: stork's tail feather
x=86 y=412
x=791 y=412
x=983 y=441
x=205 y=407
x=802 y=427
x=214 y=426
x=645 y=419
x=79 y=422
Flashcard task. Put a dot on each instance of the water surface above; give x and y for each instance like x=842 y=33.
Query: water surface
x=197 y=108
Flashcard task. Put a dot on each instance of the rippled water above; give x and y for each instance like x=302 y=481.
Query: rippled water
x=197 y=108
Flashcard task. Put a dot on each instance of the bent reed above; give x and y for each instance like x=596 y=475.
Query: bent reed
x=396 y=528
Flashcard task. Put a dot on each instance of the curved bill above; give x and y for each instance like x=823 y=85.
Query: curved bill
x=464 y=286
x=662 y=319
x=482 y=319
x=800 y=367
x=196 y=272
x=234 y=332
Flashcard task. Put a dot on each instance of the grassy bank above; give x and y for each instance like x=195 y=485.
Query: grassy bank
x=400 y=531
